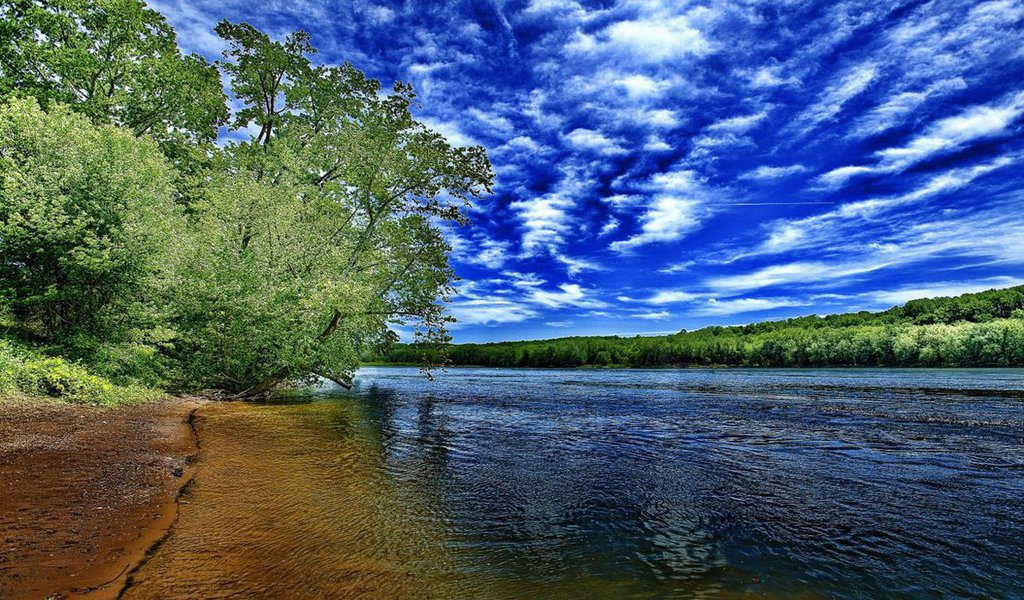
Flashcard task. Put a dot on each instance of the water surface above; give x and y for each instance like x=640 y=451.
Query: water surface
x=616 y=483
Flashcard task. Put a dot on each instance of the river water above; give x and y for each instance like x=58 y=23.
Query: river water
x=490 y=483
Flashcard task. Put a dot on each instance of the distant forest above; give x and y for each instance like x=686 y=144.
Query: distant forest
x=973 y=330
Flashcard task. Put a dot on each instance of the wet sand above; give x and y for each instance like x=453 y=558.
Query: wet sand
x=287 y=502
x=86 y=492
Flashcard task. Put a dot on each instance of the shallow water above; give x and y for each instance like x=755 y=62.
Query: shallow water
x=610 y=484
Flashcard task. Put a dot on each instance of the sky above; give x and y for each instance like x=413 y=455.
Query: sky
x=670 y=165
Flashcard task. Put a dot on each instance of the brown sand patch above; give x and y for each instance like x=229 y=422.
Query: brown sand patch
x=86 y=491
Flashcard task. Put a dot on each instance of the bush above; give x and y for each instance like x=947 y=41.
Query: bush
x=10 y=367
x=58 y=378
x=127 y=363
x=87 y=224
x=25 y=370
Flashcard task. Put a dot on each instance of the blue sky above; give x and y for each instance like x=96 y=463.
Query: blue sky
x=668 y=165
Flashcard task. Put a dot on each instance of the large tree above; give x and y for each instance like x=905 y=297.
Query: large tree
x=116 y=61
x=323 y=229
x=87 y=222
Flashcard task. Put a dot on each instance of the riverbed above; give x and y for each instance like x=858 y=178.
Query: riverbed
x=492 y=483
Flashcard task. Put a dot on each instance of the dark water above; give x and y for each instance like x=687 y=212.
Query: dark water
x=609 y=484
x=840 y=483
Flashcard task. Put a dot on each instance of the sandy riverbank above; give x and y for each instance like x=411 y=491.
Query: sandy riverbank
x=86 y=492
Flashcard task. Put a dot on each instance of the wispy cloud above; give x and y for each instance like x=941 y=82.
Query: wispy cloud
x=945 y=135
x=675 y=208
x=847 y=87
x=653 y=316
x=569 y=294
x=714 y=307
x=766 y=172
x=674 y=154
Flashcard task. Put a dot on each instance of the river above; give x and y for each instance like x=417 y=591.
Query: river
x=490 y=483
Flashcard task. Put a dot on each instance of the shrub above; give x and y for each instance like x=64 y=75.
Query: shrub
x=58 y=378
x=24 y=369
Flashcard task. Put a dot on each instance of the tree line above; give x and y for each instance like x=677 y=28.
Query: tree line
x=973 y=330
x=141 y=240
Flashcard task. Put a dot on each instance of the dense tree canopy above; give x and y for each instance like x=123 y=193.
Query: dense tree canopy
x=116 y=61
x=295 y=250
x=321 y=230
x=87 y=223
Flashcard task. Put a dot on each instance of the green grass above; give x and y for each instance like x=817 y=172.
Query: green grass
x=25 y=371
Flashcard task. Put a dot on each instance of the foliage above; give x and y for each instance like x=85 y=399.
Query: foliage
x=87 y=220
x=32 y=373
x=130 y=243
x=321 y=230
x=984 y=330
x=116 y=61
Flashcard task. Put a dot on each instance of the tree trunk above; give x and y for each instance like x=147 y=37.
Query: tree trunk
x=263 y=387
x=345 y=384
x=275 y=379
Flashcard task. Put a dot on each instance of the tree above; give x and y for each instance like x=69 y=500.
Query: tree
x=323 y=229
x=87 y=219
x=117 y=62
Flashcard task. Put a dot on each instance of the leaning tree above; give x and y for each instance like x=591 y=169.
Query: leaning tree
x=323 y=229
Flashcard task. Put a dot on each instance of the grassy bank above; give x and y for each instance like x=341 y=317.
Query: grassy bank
x=27 y=372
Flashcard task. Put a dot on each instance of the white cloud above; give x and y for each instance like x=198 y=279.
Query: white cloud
x=490 y=311
x=787 y=235
x=524 y=144
x=654 y=316
x=674 y=210
x=641 y=86
x=716 y=307
x=575 y=266
x=559 y=6
x=560 y=323
x=938 y=289
x=975 y=123
x=621 y=201
x=653 y=40
x=588 y=139
x=831 y=102
x=656 y=144
x=899 y=107
x=738 y=124
x=450 y=130
x=571 y=294
x=497 y=123
x=839 y=176
x=792 y=273
x=380 y=14
x=770 y=76
x=677 y=267
x=480 y=250
x=765 y=172
x=524 y=280
x=943 y=136
x=609 y=227
x=670 y=297
x=655 y=117
x=667 y=219
x=545 y=220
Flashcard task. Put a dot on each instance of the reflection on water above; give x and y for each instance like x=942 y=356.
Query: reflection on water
x=610 y=484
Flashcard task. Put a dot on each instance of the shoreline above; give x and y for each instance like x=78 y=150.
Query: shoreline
x=91 y=492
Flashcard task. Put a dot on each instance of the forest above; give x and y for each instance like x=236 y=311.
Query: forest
x=151 y=238
x=984 y=329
